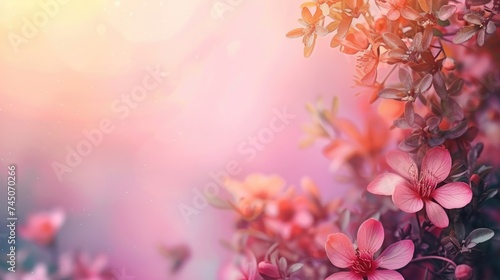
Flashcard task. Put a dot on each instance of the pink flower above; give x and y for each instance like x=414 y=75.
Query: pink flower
x=360 y=261
x=411 y=191
x=464 y=272
x=43 y=227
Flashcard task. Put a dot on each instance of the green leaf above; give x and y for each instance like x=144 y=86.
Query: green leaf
x=443 y=23
x=480 y=235
x=437 y=33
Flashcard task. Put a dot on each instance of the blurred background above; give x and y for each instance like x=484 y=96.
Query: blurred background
x=170 y=92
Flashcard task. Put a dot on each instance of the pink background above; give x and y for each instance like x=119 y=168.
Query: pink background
x=223 y=78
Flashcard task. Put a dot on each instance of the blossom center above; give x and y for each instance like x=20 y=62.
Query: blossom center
x=363 y=265
x=426 y=185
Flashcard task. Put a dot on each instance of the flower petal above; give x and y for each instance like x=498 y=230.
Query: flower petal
x=407 y=199
x=385 y=183
x=343 y=28
x=321 y=30
x=306 y=15
x=393 y=41
x=436 y=214
x=393 y=14
x=403 y=164
x=370 y=236
x=453 y=195
x=309 y=49
x=436 y=165
x=409 y=13
x=345 y=275
x=295 y=33
x=385 y=275
x=397 y=255
x=339 y=250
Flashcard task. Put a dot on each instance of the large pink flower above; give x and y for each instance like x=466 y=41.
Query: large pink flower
x=411 y=191
x=360 y=261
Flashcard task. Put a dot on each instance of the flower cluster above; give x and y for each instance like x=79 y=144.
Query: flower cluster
x=420 y=157
x=43 y=261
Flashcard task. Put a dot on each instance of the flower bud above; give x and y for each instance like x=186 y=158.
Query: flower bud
x=407 y=230
x=449 y=64
x=269 y=270
x=463 y=272
x=475 y=179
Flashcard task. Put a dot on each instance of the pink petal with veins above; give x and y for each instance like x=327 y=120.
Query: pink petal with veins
x=385 y=184
x=453 y=195
x=436 y=163
x=339 y=250
x=397 y=255
x=370 y=236
x=385 y=275
x=436 y=214
x=407 y=199
x=403 y=164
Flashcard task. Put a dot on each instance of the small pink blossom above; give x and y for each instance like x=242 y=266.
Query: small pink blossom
x=463 y=272
x=360 y=261
x=43 y=227
x=412 y=190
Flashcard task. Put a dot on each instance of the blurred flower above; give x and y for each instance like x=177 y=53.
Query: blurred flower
x=352 y=9
x=449 y=64
x=323 y=5
x=252 y=194
x=360 y=261
x=312 y=27
x=366 y=144
x=178 y=255
x=463 y=272
x=411 y=191
x=257 y=186
x=278 y=269
x=39 y=273
x=289 y=217
x=42 y=228
x=85 y=268
x=244 y=267
x=361 y=40
x=269 y=270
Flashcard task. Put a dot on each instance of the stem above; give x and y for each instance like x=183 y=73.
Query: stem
x=435 y=258
x=446 y=265
x=419 y=226
x=440 y=51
